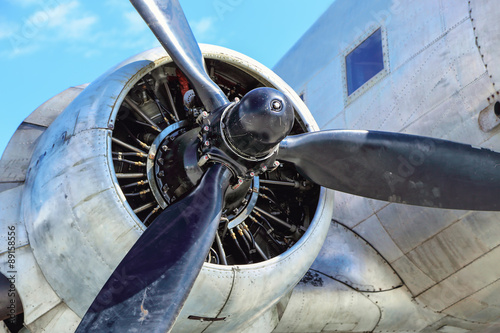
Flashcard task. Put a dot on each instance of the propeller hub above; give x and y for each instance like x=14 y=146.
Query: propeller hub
x=259 y=122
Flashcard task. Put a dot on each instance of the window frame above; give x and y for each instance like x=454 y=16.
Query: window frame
x=376 y=78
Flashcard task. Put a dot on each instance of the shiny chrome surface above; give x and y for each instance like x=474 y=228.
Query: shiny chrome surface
x=441 y=77
x=150 y=165
x=176 y=37
x=64 y=213
x=242 y=216
x=443 y=74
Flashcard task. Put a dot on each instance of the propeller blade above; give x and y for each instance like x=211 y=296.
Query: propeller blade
x=167 y=21
x=147 y=290
x=398 y=167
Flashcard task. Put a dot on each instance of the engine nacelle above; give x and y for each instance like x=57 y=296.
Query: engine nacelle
x=83 y=209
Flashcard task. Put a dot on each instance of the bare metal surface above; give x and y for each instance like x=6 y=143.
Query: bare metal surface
x=16 y=157
x=321 y=304
x=438 y=85
x=488 y=120
x=46 y=113
x=60 y=319
x=168 y=23
x=470 y=279
x=349 y=259
x=442 y=70
x=416 y=280
x=10 y=216
x=484 y=12
x=36 y=294
x=400 y=313
x=374 y=233
x=70 y=229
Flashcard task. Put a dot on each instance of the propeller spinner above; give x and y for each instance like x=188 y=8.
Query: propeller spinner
x=148 y=288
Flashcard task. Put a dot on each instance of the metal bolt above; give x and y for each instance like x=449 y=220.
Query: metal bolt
x=276 y=105
x=240 y=181
x=204 y=159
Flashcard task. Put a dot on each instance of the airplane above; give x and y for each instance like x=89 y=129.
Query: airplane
x=147 y=201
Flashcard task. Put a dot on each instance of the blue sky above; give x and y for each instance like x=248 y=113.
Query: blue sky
x=47 y=46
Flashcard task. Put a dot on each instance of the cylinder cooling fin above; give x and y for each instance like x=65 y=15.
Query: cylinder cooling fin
x=128 y=147
x=157 y=161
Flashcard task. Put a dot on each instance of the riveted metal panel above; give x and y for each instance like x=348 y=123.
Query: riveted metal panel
x=485 y=14
x=60 y=319
x=485 y=226
x=405 y=40
x=214 y=284
x=265 y=323
x=46 y=113
x=68 y=184
x=451 y=323
x=479 y=274
x=10 y=216
x=36 y=294
x=447 y=252
x=348 y=258
x=258 y=287
x=322 y=42
x=321 y=304
x=412 y=276
x=462 y=50
x=372 y=231
x=71 y=176
x=400 y=313
x=16 y=157
x=326 y=99
x=351 y=210
x=409 y=226
x=483 y=306
x=453 y=12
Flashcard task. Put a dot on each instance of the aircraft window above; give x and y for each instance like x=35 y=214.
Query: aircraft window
x=364 y=62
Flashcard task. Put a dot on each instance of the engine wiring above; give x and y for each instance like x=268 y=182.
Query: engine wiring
x=275 y=209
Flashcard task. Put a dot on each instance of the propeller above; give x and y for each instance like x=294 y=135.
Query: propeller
x=398 y=167
x=167 y=21
x=148 y=288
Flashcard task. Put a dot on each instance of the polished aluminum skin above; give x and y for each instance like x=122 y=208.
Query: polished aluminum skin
x=177 y=38
x=80 y=225
x=440 y=80
x=383 y=267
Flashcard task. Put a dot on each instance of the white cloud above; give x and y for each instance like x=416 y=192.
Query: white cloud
x=203 y=27
x=54 y=22
x=6 y=28
x=68 y=20
x=135 y=22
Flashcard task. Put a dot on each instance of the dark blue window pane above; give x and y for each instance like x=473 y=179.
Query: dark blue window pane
x=364 y=62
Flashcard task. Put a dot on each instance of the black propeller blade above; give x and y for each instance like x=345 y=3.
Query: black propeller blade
x=398 y=167
x=148 y=288
x=167 y=21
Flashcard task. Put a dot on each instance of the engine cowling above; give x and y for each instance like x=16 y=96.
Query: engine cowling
x=83 y=209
